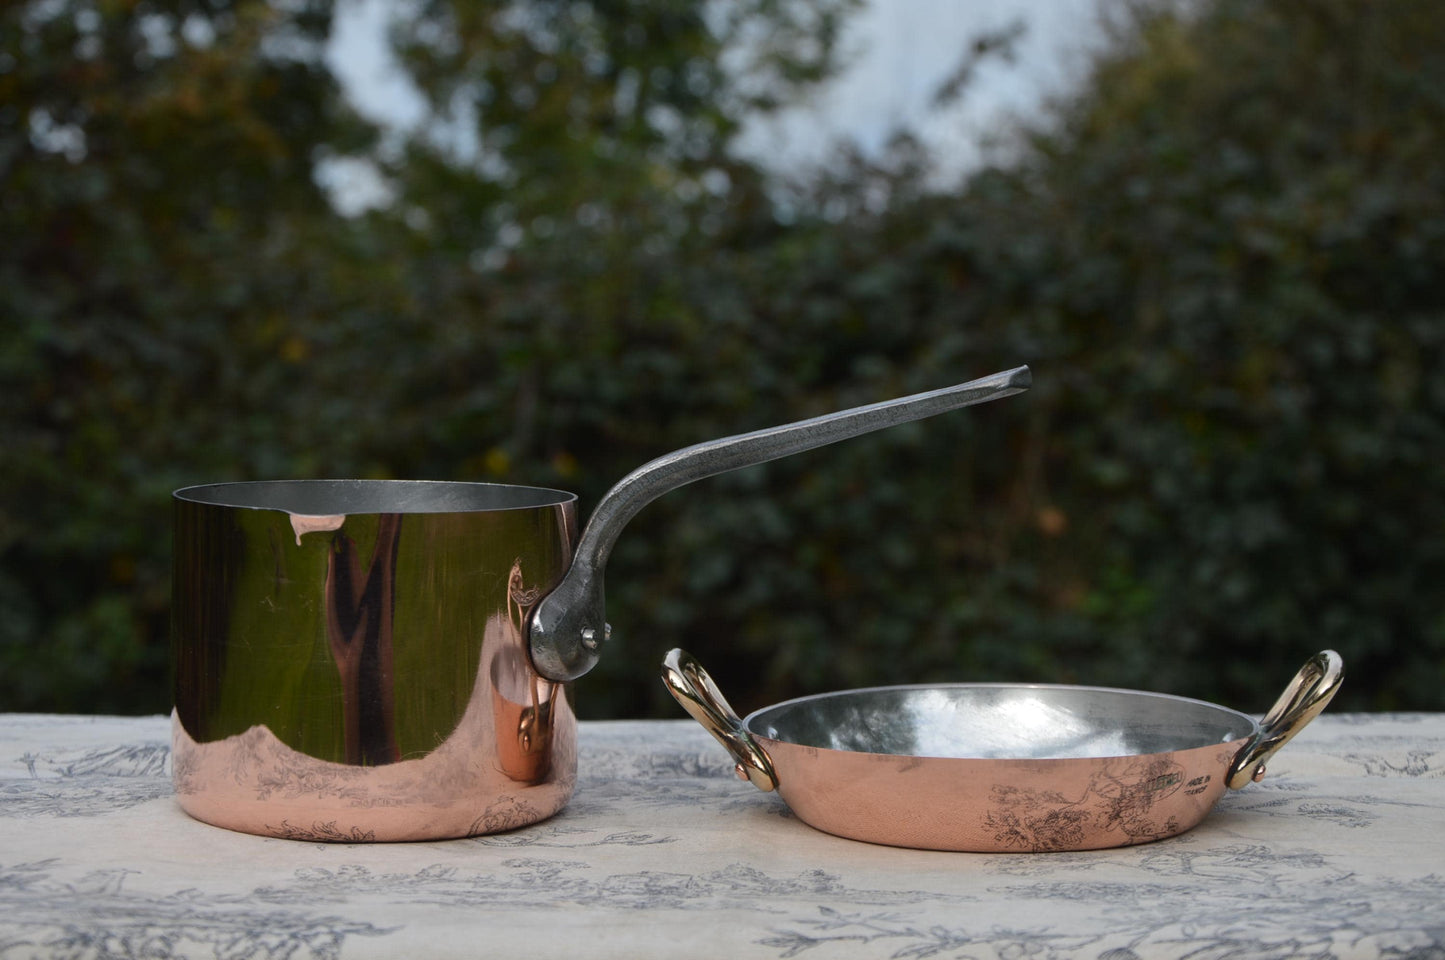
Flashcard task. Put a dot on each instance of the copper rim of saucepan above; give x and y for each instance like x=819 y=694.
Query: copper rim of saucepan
x=844 y=776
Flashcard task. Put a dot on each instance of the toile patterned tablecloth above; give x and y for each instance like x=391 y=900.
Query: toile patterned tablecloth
x=1340 y=852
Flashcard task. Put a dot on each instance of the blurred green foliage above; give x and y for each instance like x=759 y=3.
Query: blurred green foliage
x=1221 y=255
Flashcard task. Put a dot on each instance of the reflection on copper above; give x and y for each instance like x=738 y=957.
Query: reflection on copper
x=1021 y=768
x=359 y=609
x=523 y=703
x=507 y=755
x=1000 y=805
x=301 y=524
x=255 y=783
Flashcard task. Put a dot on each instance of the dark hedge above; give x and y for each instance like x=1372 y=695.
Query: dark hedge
x=1221 y=256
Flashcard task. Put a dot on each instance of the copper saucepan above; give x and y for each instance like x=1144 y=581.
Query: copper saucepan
x=389 y=659
x=1001 y=767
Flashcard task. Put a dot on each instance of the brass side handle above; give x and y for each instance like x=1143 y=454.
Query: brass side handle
x=1307 y=695
x=691 y=687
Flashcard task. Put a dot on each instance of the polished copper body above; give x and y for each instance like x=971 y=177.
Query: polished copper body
x=351 y=662
x=1001 y=767
x=1000 y=805
x=388 y=659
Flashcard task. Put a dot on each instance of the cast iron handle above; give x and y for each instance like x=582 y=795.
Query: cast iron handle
x=569 y=626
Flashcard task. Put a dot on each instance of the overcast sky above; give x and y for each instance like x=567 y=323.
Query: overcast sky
x=898 y=53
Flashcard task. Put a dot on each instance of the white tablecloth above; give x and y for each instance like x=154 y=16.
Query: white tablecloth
x=1340 y=852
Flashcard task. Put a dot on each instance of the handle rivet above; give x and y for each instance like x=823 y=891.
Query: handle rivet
x=1258 y=773
x=589 y=638
x=740 y=771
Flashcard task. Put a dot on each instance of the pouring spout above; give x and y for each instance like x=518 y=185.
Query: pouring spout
x=568 y=627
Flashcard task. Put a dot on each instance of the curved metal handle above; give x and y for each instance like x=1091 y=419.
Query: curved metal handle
x=1306 y=696
x=569 y=626
x=690 y=686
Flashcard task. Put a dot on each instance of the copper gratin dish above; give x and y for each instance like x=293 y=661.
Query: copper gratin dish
x=1001 y=767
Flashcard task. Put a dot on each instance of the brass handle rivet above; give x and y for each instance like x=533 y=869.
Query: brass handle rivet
x=1258 y=773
